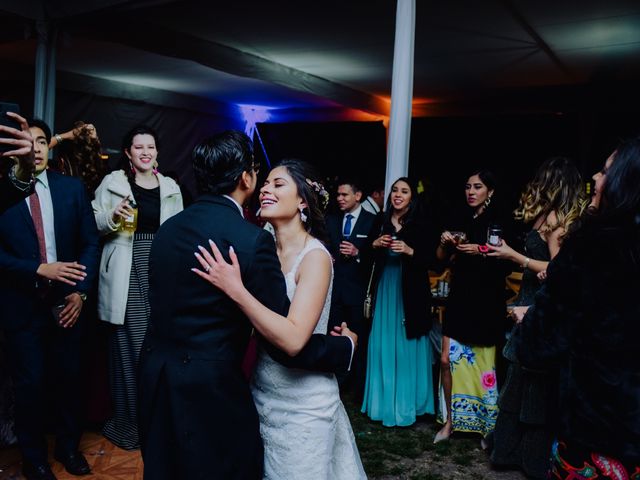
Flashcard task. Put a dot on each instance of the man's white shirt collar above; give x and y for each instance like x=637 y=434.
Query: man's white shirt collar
x=236 y=204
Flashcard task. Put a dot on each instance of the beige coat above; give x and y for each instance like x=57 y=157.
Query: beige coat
x=115 y=264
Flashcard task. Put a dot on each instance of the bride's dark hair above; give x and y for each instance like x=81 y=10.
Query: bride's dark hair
x=312 y=192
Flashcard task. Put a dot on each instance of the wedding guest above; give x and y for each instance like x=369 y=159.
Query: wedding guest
x=137 y=191
x=584 y=325
x=375 y=200
x=552 y=203
x=351 y=233
x=78 y=153
x=472 y=324
x=48 y=260
x=398 y=384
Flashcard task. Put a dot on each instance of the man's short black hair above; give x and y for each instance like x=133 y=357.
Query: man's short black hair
x=219 y=160
x=36 y=122
x=352 y=182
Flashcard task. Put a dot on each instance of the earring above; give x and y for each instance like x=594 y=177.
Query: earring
x=133 y=170
x=303 y=217
x=155 y=170
x=487 y=202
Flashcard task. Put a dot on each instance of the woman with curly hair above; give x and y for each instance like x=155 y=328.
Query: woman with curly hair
x=78 y=153
x=303 y=423
x=552 y=203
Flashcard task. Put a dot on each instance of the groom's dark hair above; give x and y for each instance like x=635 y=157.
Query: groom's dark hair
x=218 y=161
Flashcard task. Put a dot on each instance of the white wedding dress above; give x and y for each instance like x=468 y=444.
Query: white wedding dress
x=306 y=432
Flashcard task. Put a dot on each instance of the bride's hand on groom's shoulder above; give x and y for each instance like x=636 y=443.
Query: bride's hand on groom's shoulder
x=344 y=331
x=219 y=273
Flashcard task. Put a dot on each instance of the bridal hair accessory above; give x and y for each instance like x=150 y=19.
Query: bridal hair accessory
x=303 y=217
x=322 y=193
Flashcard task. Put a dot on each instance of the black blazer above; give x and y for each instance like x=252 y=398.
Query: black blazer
x=197 y=337
x=76 y=240
x=416 y=292
x=350 y=275
x=585 y=324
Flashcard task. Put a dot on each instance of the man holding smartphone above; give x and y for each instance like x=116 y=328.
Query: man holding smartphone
x=48 y=258
x=16 y=143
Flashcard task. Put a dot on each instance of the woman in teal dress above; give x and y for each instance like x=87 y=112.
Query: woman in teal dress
x=399 y=383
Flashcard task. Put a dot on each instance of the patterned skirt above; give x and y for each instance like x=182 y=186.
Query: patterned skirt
x=576 y=464
x=125 y=343
x=474 y=391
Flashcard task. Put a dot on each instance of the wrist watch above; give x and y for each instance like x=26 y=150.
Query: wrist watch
x=83 y=296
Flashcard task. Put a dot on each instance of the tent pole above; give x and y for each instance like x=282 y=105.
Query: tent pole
x=401 y=93
x=50 y=92
x=41 y=70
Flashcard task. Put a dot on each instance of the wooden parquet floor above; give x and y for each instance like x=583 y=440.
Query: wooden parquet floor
x=107 y=461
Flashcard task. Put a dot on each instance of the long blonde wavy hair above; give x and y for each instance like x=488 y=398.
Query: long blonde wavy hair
x=557 y=187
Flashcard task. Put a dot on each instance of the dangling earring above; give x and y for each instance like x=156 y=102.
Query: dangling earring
x=155 y=168
x=487 y=202
x=133 y=170
x=303 y=217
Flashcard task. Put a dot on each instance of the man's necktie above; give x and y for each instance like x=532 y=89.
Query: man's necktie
x=36 y=215
x=347 y=226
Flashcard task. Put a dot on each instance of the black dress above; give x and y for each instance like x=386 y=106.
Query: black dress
x=523 y=435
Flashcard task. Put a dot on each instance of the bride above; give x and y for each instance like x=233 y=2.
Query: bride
x=304 y=426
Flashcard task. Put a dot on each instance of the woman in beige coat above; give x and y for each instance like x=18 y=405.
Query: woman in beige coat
x=129 y=206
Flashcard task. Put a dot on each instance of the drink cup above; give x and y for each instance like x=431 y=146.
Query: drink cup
x=494 y=236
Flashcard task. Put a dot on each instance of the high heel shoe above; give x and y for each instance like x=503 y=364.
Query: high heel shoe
x=441 y=436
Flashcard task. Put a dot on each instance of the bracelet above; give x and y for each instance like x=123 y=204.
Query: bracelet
x=58 y=138
x=525 y=265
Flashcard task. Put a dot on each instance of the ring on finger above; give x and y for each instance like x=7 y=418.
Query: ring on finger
x=207 y=268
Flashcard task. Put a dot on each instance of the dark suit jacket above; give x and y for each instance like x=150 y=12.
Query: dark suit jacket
x=76 y=240
x=351 y=276
x=416 y=292
x=9 y=194
x=197 y=337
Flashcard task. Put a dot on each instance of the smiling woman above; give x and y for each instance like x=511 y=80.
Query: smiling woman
x=141 y=198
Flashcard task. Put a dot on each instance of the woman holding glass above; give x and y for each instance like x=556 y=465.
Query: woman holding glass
x=130 y=205
x=584 y=325
x=552 y=204
x=398 y=385
x=472 y=324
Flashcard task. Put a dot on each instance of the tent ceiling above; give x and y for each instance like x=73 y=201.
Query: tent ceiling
x=327 y=54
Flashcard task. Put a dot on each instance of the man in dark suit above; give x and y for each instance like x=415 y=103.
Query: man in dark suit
x=48 y=261
x=197 y=418
x=351 y=234
x=18 y=182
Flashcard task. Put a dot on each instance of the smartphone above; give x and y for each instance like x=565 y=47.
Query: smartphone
x=8 y=121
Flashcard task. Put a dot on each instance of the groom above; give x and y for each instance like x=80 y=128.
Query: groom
x=197 y=417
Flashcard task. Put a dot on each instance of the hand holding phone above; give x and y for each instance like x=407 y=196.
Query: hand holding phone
x=16 y=140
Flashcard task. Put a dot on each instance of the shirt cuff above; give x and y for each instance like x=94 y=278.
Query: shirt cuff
x=353 y=349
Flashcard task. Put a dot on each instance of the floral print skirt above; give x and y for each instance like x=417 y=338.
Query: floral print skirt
x=474 y=392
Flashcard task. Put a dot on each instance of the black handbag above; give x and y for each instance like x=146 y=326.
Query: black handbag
x=368 y=299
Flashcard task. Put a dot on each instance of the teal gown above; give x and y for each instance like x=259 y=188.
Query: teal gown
x=399 y=371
